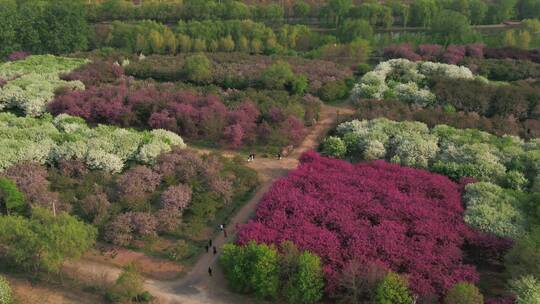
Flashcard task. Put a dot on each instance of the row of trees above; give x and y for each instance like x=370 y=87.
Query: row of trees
x=42 y=26
x=416 y=13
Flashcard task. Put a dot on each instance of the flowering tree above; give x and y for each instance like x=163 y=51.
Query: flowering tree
x=369 y=212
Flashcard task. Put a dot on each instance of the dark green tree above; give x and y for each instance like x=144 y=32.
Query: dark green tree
x=198 y=68
x=423 y=12
x=451 y=27
x=353 y=29
x=9 y=23
x=11 y=199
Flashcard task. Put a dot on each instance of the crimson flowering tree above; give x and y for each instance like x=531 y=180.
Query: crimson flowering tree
x=406 y=220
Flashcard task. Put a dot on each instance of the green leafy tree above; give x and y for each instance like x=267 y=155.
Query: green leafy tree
x=306 y=284
x=197 y=68
x=6 y=296
x=277 y=75
x=393 y=290
x=9 y=23
x=523 y=40
x=11 y=199
x=251 y=269
x=524 y=257
x=301 y=9
x=451 y=28
x=226 y=44
x=501 y=10
x=528 y=9
x=478 y=10
x=464 y=293
x=353 y=29
x=44 y=242
x=335 y=11
x=423 y=12
x=184 y=43
x=334 y=146
x=66 y=27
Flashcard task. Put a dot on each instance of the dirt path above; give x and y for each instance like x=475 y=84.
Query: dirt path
x=197 y=287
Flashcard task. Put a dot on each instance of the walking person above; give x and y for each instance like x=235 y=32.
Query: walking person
x=221 y=227
x=210 y=271
x=210 y=243
x=225 y=233
x=215 y=250
x=206 y=247
x=279 y=156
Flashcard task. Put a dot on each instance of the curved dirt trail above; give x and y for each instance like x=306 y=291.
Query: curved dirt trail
x=197 y=287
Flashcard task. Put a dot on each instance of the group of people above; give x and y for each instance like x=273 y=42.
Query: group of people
x=214 y=249
x=251 y=157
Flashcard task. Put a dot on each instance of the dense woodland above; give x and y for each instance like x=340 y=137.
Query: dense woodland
x=127 y=125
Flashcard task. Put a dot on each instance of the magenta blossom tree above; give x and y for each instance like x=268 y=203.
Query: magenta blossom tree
x=406 y=220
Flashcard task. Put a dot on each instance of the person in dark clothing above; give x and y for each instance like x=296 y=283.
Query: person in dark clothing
x=210 y=243
x=209 y=271
x=206 y=247
x=215 y=250
x=225 y=233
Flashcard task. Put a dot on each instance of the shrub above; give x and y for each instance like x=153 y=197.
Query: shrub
x=334 y=146
x=128 y=285
x=527 y=290
x=464 y=293
x=524 y=257
x=197 y=68
x=251 y=268
x=346 y=206
x=6 y=296
x=393 y=290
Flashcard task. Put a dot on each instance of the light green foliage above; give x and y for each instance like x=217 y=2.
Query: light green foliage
x=492 y=209
x=47 y=140
x=306 y=284
x=11 y=199
x=524 y=257
x=251 y=268
x=464 y=293
x=405 y=80
x=44 y=242
x=128 y=286
x=334 y=146
x=198 y=68
x=6 y=296
x=33 y=81
x=423 y=12
x=527 y=290
x=393 y=290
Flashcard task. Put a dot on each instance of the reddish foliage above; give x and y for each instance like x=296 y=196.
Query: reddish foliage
x=31 y=179
x=407 y=220
x=18 y=55
x=430 y=52
x=96 y=72
x=454 y=54
x=403 y=50
x=176 y=198
x=137 y=181
x=192 y=115
x=475 y=50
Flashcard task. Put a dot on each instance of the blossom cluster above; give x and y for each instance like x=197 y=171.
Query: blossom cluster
x=406 y=80
x=504 y=160
x=406 y=220
x=32 y=82
x=48 y=140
